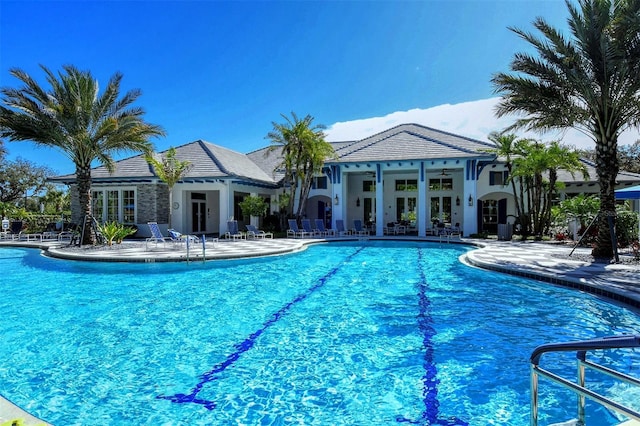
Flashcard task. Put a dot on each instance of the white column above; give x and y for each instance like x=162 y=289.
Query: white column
x=380 y=224
x=422 y=201
x=226 y=206
x=470 y=225
x=337 y=190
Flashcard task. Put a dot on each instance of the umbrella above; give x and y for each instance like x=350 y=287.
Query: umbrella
x=631 y=193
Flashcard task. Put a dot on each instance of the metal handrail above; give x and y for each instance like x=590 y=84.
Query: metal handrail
x=581 y=348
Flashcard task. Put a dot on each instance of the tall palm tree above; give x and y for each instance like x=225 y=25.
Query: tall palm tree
x=169 y=170
x=304 y=151
x=506 y=146
x=75 y=118
x=589 y=82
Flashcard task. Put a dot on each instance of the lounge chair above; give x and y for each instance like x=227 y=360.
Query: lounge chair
x=324 y=231
x=254 y=232
x=178 y=238
x=358 y=229
x=306 y=225
x=340 y=230
x=156 y=235
x=294 y=231
x=232 y=230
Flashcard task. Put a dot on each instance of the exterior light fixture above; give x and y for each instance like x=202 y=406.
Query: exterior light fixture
x=358 y=202
x=470 y=200
x=457 y=201
x=336 y=200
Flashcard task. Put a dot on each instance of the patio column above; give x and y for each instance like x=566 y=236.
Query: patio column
x=379 y=200
x=226 y=206
x=422 y=202
x=470 y=199
x=338 y=198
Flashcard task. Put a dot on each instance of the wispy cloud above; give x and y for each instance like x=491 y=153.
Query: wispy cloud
x=474 y=119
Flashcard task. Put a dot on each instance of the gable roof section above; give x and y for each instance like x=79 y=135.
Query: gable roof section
x=208 y=161
x=411 y=142
x=268 y=161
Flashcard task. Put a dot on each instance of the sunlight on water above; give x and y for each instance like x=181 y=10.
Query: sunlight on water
x=341 y=334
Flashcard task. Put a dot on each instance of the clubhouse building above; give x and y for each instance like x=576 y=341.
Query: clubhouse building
x=408 y=173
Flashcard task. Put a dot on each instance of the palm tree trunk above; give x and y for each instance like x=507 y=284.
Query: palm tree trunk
x=607 y=170
x=83 y=175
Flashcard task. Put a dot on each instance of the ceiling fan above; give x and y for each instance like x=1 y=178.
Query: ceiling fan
x=444 y=172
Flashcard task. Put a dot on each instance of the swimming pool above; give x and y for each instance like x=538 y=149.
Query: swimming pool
x=341 y=334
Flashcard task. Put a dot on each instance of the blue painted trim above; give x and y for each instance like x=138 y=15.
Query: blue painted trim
x=422 y=171
x=378 y=173
x=430 y=415
x=248 y=343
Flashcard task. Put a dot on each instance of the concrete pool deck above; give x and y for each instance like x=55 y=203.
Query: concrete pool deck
x=547 y=262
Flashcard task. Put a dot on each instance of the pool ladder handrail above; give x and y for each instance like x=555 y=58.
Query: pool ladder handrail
x=581 y=348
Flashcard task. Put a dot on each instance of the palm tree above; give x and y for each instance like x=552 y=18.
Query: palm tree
x=590 y=82
x=507 y=147
x=169 y=170
x=75 y=118
x=304 y=152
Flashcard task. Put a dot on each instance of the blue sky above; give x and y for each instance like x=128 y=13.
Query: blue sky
x=224 y=71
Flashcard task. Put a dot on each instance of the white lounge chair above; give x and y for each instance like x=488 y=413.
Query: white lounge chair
x=254 y=232
x=294 y=231
x=358 y=229
x=324 y=231
x=156 y=235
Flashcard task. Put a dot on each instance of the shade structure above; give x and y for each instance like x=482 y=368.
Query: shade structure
x=631 y=193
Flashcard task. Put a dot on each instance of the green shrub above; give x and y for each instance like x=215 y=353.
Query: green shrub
x=114 y=231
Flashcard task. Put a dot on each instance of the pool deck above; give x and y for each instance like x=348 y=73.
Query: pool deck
x=547 y=262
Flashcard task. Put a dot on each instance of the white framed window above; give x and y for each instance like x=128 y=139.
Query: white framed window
x=114 y=204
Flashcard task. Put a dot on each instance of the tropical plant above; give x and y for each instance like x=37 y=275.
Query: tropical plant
x=115 y=232
x=75 y=118
x=589 y=81
x=169 y=169
x=304 y=152
x=582 y=208
x=509 y=147
x=56 y=201
x=253 y=206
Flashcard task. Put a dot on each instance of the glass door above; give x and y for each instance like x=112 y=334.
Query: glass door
x=441 y=209
x=198 y=212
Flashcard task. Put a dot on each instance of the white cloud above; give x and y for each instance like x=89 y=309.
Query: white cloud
x=474 y=119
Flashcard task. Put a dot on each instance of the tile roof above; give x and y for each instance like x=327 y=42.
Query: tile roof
x=268 y=161
x=208 y=161
x=623 y=177
x=411 y=142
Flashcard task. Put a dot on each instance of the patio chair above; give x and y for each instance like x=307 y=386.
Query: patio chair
x=156 y=235
x=178 y=238
x=340 y=229
x=232 y=230
x=254 y=232
x=358 y=229
x=306 y=225
x=324 y=231
x=294 y=231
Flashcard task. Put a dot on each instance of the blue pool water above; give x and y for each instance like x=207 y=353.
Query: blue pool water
x=366 y=333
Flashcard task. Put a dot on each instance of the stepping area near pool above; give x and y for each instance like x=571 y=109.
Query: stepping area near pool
x=544 y=261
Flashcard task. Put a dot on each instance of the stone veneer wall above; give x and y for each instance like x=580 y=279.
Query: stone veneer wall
x=153 y=203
